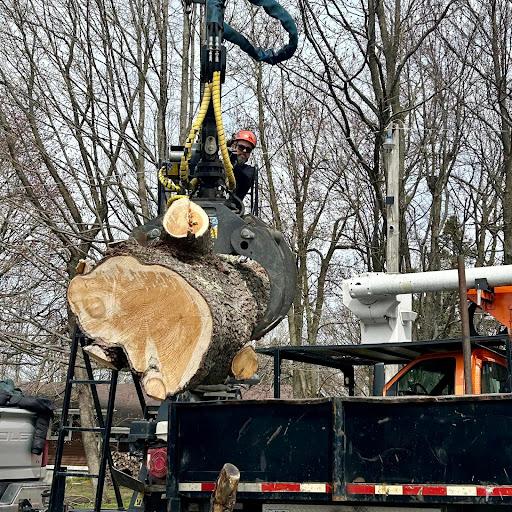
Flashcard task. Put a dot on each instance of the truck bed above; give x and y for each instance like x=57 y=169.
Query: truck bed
x=429 y=450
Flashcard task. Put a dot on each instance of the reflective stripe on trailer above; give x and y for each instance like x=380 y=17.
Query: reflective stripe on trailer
x=360 y=489
x=308 y=487
x=430 y=490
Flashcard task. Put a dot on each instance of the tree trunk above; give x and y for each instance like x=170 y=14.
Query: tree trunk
x=179 y=317
x=90 y=440
x=185 y=67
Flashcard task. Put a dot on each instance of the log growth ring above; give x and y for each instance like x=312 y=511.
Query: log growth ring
x=153 y=313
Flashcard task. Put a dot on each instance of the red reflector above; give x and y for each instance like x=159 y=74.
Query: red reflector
x=157 y=462
x=44 y=458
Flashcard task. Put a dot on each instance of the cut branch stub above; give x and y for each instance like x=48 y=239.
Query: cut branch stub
x=185 y=219
x=163 y=324
x=224 y=496
x=245 y=363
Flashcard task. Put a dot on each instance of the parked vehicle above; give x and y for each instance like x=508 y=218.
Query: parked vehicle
x=408 y=450
x=443 y=374
x=22 y=473
x=422 y=444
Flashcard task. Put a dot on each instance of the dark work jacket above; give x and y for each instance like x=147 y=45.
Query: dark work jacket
x=244 y=174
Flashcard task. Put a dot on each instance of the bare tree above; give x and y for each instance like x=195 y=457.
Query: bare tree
x=361 y=54
x=80 y=83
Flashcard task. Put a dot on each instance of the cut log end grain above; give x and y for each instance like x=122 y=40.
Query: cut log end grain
x=185 y=219
x=178 y=317
x=163 y=324
x=245 y=363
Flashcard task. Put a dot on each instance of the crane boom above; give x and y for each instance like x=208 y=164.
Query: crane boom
x=381 y=284
x=383 y=302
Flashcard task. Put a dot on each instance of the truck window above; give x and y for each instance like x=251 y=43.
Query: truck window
x=494 y=377
x=432 y=377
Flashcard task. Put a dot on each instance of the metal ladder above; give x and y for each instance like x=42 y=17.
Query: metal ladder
x=60 y=473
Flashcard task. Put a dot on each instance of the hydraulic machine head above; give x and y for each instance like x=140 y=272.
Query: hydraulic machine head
x=202 y=169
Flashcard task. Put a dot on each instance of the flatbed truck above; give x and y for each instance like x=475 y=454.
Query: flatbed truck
x=423 y=444
x=420 y=446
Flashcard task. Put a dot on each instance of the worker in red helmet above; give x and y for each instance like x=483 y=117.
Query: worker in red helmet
x=241 y=146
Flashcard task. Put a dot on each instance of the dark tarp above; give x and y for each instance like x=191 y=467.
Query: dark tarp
x=43 y=408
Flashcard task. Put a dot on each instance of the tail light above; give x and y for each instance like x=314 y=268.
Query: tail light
x=157 y=462
x=44 y=458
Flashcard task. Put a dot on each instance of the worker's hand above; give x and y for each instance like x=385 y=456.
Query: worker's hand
x=233 y=156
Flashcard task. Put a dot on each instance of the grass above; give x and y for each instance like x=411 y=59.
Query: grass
x=80 y=494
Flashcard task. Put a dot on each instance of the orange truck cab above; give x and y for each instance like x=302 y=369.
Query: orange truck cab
x=443 y=374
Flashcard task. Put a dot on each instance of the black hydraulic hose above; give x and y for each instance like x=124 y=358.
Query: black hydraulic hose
x=273 y=9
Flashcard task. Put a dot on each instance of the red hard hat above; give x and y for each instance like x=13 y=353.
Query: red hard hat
x=246 y=135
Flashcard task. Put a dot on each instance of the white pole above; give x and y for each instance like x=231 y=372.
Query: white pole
x=380 y=284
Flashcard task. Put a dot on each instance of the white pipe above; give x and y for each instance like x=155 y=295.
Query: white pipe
x=378 y=284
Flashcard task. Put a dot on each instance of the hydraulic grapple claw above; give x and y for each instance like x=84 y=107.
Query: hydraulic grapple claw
x=267 y=246
x=251 y=237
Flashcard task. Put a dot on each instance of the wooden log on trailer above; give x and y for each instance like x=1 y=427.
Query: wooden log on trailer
x=175 y=313
x=224 y=496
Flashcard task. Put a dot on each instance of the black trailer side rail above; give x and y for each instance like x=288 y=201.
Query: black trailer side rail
x=426 y=450
x=404 y=450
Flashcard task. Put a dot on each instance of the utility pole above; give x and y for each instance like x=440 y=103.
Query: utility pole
x=391 y=148
x=391 y=157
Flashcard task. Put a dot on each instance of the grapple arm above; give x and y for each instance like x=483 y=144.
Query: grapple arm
x=251 y=237
x=247 y=236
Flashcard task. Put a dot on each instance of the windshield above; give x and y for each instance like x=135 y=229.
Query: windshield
x=432 y=378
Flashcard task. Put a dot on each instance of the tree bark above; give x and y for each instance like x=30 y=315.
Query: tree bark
x=179 y=317
x=90 y=440
x=185 y=68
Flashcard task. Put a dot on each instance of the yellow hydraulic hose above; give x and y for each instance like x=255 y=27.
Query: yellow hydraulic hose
x=211 y=92
x=196 y=126
x=228 y=166
x=167 y=182
x=187 y=153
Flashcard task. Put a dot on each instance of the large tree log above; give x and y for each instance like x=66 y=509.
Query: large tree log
x=179 y=318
